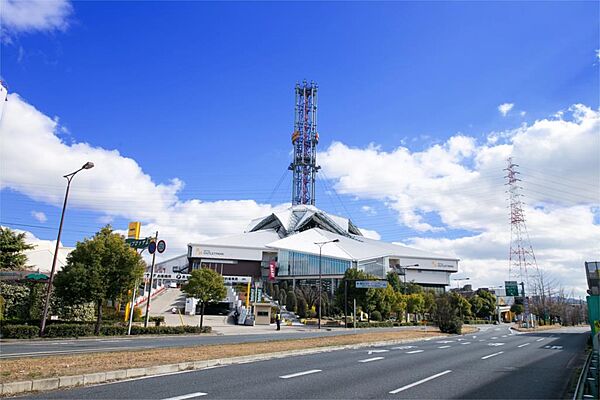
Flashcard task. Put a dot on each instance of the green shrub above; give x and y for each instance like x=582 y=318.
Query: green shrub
x=68 y=330
x=160 y=319
x=453 y=325
x=19 y=331
x=168 y=330
x=375 y=316
x=137 y=314
x=113 y=330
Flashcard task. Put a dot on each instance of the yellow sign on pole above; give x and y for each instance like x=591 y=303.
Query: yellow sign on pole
x=134 y=230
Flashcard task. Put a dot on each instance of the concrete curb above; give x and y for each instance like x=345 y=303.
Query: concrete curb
x=63 y=382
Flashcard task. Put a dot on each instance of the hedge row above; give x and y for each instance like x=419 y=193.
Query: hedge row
x=477 y=321
x=80 y=330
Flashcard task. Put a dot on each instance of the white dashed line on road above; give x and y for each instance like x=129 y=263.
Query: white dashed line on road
x=495 y=337
x=492 y=355
x=420 y=382
x=445 y=341
x=366 y=360
x=466 y=343
x=310 y=371
x=415 y=351
x=187 y=396
x=377 y=351
x=444 y=347
x=523 y=345
x=403 y=347
x=540 y=339
x=496 y=344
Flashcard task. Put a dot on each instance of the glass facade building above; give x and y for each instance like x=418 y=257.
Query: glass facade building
x=292 y=263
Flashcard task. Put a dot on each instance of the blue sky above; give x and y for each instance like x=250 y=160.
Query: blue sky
x=203 y=91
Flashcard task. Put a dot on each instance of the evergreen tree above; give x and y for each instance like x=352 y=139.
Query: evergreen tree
x=12 y=246
x=291 y=302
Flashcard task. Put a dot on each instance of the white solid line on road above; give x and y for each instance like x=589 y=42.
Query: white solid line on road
x=419 y=382
x=492 y=355
x=443 y=347
x=415 y=351
x=187 y=396
x=370 y=359
x=310 y=371
x=540 y=339
x=523 y=345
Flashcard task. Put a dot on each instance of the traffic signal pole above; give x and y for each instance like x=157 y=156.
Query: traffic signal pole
x=151 y=281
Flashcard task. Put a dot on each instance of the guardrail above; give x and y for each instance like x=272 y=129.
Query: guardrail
x=588 y=385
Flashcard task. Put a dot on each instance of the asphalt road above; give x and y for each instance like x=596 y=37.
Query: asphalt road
x=39 y=348
x=495 y=363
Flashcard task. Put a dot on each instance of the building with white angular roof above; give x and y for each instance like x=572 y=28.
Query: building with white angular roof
x=288 y=238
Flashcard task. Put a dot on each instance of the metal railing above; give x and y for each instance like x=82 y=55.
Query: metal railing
x=588 y=385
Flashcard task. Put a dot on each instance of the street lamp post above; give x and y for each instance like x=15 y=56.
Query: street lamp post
x=321 y=244
x=69 y=177
x=401 y=270
x=460 y=280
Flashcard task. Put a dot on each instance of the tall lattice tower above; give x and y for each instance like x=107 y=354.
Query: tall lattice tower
x=522 y=264
x=305 y=139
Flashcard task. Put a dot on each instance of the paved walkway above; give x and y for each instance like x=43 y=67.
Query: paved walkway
x=163 y=304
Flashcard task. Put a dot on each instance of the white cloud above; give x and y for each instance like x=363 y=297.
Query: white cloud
x=369 y=210
x=27 y=16
x=462 y=184
x=505 y=108
x=40 y=216
x=34 y=159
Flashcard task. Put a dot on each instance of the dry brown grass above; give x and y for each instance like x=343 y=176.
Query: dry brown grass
x=46 y=367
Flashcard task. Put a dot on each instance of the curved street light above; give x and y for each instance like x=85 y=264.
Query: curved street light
x=69 y=177
x=321 y=244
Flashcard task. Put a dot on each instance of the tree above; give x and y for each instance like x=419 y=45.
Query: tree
x=352 y=275
x=415 y=303
x=291 y=302
x=99 y=269
x=207 y=286
x=302 y=307
x=12 y=246
x=446 y=313
x=517 y=309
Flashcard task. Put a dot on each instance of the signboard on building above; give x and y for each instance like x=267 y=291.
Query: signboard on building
x=272 y=266
x=225 y=253
x=371 y=284
x=134 y=230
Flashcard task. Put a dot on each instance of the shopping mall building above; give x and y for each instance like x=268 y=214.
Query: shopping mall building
x=287 y=244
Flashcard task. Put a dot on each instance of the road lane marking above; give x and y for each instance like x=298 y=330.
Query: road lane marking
x=187 y=396
x=403 y=347
x=553 y=347
x=496 y=344
x=523 y=345
x=370 y=359
x=466 y=343
x=420 y=382
x=443 y=347
x=495 y=337
x=540 y=339
x=482 y=340
x=475 y=337
x=504 y=335
x=415 y=351
x=377 y=351
x=310 y=371
x=445 y=341
x=492 y=355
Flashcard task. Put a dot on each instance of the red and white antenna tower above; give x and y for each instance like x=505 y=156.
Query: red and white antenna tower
x=522 y=264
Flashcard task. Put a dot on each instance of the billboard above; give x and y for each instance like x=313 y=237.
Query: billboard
x=134 y=230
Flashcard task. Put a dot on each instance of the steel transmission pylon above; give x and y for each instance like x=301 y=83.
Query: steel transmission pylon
x=522 y=264
x=304 y=140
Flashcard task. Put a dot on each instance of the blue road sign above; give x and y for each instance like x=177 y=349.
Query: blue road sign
x=152 y=247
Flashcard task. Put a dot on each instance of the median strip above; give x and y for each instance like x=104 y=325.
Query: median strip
x=420 y=382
